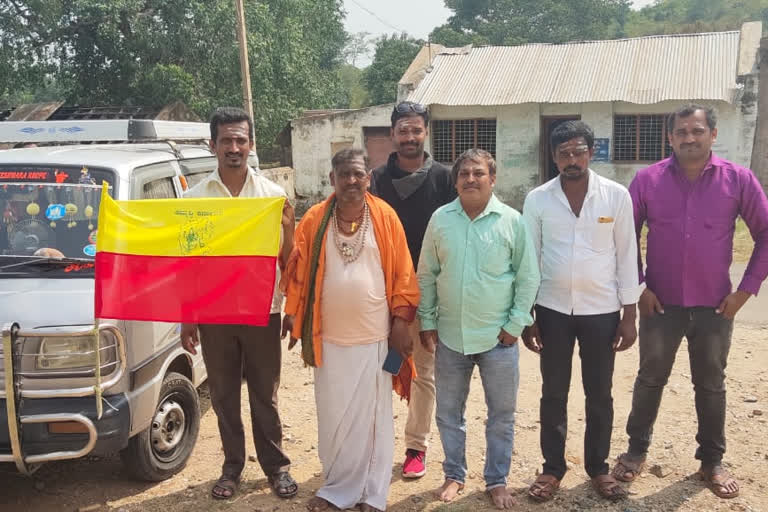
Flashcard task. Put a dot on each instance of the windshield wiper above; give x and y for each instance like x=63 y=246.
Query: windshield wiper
x=47 y=262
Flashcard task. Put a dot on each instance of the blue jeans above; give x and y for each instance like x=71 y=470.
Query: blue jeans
x=500 y=377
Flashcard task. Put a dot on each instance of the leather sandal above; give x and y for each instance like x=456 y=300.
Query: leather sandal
x=544 y=488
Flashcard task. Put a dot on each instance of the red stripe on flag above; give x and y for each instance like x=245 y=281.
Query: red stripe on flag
x=194 y=289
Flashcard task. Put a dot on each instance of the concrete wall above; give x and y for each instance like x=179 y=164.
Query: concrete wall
x=518 y=135
x=283 y=176
x=314 y=140
x=518 y=153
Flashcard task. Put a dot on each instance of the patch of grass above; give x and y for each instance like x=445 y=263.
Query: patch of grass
x=742 y=242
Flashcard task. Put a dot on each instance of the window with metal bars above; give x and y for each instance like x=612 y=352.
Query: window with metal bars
x=451 y=138
x=640 y=138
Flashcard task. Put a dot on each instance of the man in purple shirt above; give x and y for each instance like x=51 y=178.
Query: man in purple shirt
x=690 y=202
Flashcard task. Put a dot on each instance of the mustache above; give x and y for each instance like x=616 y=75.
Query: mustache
x=573 y=168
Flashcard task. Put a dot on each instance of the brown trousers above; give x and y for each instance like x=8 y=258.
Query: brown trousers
x=231 y=352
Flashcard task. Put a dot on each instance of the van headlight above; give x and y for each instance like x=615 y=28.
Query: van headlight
x=76 y=352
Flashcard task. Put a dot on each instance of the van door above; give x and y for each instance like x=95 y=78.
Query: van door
x=156 y=181
x=196 y=170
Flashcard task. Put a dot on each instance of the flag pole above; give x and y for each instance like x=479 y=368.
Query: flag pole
x=96 y=333
x=245 y=73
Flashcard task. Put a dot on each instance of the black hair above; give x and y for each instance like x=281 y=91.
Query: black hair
x=689 y=110
x=476 y=155
x=229 y=115
x=570 y=130
x=347 y=155
x=409 y=109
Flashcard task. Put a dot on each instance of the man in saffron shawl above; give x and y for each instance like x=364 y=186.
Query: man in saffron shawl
x=351 y=293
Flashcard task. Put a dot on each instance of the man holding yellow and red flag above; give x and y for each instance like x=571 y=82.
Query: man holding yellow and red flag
x=351 y=292
x=211 y=262
x=257 y=350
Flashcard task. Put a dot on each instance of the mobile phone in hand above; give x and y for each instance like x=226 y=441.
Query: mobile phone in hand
x=393 y=362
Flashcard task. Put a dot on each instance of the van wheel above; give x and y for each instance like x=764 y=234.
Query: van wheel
x=162 y=450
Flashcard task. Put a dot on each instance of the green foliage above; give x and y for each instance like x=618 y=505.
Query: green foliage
x=514 y=22
x=392 y=57
x=691 y=16
x=353 y=86
x=156 y=51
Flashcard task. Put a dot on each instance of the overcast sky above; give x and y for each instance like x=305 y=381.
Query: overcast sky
x=416 y=17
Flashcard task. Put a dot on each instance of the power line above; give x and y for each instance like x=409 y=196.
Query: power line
x=385 y=22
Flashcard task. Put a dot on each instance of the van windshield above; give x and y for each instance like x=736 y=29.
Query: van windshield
x=50 y=211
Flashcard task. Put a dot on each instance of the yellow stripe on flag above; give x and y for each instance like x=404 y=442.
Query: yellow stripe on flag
x=190 y=227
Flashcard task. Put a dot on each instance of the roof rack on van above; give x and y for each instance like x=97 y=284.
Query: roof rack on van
x=111 y=130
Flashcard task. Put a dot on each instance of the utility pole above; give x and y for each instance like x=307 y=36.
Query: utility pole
x=759 y=164
x=245 y=71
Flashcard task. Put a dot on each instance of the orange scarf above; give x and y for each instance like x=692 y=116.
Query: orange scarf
x=399 y=277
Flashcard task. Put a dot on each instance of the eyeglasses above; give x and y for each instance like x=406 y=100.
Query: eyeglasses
x=564 y=154
x=409 y=106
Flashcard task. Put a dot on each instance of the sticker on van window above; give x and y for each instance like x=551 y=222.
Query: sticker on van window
x=60 y=176
x=85 y=177
x=55 y=211
x=89 y=250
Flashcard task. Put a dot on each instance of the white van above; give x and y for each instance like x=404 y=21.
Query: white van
x=49 y=202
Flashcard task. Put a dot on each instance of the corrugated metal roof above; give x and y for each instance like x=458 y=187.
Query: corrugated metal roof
x=638 y=70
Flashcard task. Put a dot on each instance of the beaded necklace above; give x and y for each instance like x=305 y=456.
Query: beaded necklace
x=350 y=250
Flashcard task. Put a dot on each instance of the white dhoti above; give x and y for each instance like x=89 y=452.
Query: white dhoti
x=356 y=435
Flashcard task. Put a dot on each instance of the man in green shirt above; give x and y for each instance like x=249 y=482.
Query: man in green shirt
x=478 y=275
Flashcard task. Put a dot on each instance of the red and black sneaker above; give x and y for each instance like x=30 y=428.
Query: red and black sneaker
x=415 y=465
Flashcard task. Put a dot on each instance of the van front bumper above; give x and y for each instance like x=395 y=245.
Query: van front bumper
x=36 y=419
x=59 y=423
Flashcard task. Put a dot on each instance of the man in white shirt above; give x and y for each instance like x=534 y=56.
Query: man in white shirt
x=583 y=230
x=233 y=351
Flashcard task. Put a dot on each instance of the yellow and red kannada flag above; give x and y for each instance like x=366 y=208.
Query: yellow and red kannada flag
x=187 y=260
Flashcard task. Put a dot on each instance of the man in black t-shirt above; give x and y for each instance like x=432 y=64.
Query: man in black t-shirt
x=415 y=186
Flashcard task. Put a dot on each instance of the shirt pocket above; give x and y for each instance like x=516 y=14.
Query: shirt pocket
x=493 y=257
x=599 y=235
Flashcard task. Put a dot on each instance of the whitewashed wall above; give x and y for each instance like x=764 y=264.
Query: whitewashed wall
x=518 y=137
x=313 y=140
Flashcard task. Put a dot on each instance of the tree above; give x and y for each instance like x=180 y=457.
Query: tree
x=354 y=89
x=153 y=51
x=392 y=56
x=358 y=46
x=514 y=22
x=690 y=16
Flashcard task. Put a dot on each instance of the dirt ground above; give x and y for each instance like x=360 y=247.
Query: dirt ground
x=99 y=484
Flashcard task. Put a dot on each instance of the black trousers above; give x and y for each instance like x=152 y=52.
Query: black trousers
x=709 y=341
x=559 y=333
x=229 y=351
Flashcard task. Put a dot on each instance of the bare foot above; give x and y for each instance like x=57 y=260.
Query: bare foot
x=317 y=504
x=449 y=490
x=502 y=497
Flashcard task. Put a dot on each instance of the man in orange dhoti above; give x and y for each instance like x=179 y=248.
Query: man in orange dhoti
x=351 y=293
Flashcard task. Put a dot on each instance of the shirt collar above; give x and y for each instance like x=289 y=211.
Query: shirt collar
x=712 y=163
x=216 y=176
x=494 y=206
x=593 y=183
